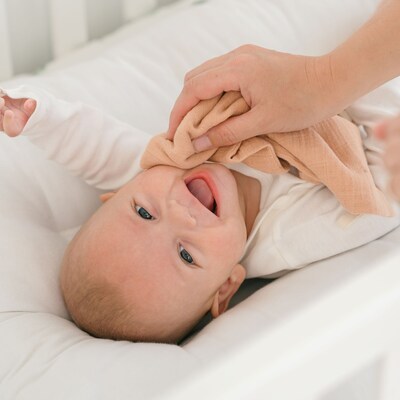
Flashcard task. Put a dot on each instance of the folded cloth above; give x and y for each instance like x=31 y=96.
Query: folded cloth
x=330 y=152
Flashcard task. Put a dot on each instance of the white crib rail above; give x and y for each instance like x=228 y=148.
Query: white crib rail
x=5 y=53
x=68 y=21
x=86 y=15
x=33 y=32
x=352 y=327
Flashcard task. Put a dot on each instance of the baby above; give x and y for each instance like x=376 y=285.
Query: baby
x=172 y=244
x=161 y=252
x=158 y=254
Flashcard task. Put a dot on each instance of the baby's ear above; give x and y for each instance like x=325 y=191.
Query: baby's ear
x=227 y=290
x=106 y=196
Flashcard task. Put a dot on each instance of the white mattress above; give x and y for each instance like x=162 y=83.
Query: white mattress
x=43 y=354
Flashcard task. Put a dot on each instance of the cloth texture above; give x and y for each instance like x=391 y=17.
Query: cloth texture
x=330 y=152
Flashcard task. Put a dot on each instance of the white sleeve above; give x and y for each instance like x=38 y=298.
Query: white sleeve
x=100 y=149
x=303 y=222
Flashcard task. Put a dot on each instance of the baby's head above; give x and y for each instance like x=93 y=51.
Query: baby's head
x=158 y=255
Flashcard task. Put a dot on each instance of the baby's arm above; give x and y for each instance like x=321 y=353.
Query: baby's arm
x=103 y=151
x=321 y=227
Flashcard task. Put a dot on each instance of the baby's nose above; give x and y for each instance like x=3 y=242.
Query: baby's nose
x=180 y=213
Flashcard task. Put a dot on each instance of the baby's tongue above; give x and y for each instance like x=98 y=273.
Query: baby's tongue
x=199 y=188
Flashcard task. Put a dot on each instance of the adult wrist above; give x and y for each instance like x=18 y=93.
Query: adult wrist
x=335 y=83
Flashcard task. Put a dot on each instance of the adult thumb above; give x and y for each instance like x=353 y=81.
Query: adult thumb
x=231 y=131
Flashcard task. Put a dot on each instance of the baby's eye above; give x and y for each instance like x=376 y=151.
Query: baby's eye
x=143 y=212
x=185 y=255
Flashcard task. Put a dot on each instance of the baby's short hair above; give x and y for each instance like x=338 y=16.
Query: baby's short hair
x=98 y=306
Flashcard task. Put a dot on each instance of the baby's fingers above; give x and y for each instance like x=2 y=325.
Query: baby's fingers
x=29 y=107
x=12 y=126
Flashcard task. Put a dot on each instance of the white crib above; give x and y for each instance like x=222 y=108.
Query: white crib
x=32 y=33
x=359 y=317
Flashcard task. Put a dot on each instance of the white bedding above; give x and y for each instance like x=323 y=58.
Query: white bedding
x=43 y=354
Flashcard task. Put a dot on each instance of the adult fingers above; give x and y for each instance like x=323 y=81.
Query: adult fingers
x=209 y=64
x=222 y=59
x=231 y=131
x=182 y=106
x=201 y=87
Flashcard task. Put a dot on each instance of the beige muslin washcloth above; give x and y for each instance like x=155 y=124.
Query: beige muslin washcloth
x=330 y=152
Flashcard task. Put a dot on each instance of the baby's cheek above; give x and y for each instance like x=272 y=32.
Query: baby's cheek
x=233 y=242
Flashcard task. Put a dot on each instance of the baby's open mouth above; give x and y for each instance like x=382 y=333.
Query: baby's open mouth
x=200 y=189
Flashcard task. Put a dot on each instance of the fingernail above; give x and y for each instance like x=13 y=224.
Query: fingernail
x=202 y=143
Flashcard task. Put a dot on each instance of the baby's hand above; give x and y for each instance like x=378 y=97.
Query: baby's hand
x=14 y=114
x=389 y=131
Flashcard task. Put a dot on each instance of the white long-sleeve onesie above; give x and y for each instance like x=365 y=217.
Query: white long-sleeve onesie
x=299 y=222
x=102 y=150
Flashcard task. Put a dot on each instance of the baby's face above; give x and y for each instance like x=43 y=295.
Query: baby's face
x=163 y=246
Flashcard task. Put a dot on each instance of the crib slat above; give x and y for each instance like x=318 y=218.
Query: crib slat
x=6 y=66
x=103 y=17
x=68 y=24
x=132 y=9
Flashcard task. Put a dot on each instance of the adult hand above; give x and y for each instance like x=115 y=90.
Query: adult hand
x=14 y=114
x=389 y=131
x=285 y=92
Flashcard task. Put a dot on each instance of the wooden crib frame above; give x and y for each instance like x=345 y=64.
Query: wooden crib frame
x=312 y=364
